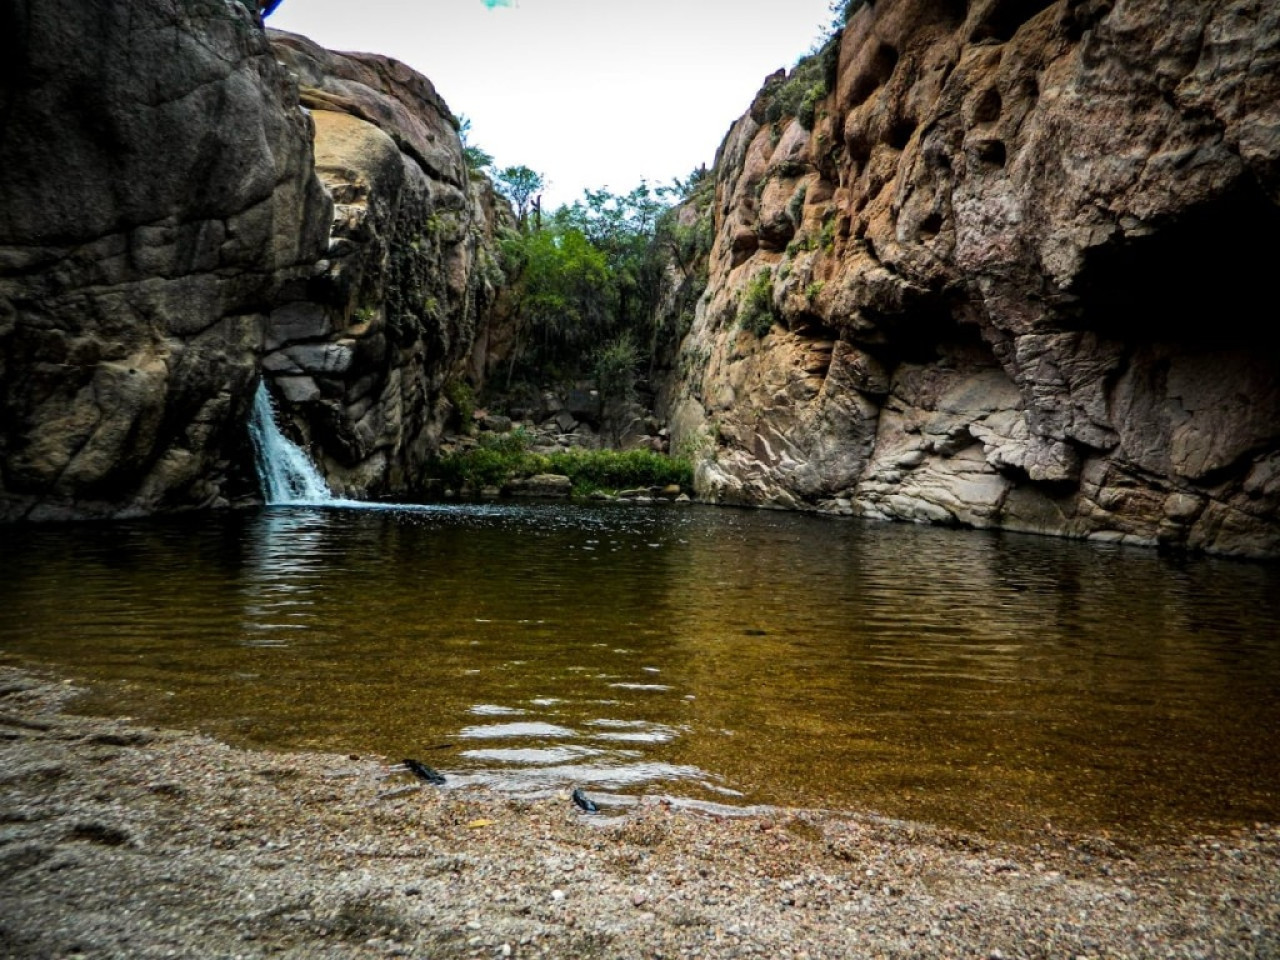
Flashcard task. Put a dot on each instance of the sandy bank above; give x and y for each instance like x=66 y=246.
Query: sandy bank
x=123 y=841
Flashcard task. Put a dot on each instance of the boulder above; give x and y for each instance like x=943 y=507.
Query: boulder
x=541 y=485
x=394 y=308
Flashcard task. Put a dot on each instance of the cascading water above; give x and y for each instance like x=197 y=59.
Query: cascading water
x=285 y=472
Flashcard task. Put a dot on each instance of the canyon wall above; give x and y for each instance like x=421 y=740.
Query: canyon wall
x=1005 y=266
x=158 y=200
x=188 y=205
x=359 y=367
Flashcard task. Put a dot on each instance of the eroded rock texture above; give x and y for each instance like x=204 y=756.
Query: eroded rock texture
x=1019 y=273
x=359 y=364
x=157 y=198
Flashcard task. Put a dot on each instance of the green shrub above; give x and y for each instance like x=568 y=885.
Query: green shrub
x=463 y=401
x=795 y=208
x=501 y=458
x=828 y=238
x=478 y=467
x=512 y=442
x=799 y=95
x=755 y=309
x=807 y=112
x=615 y=369
x=620 y=469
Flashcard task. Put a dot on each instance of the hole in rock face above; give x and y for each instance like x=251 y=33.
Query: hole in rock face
x=988 y=107
x=1204 y=279
x=1003 y=18
x=900 y=133
x=812 y=327
x=874 y=75
x=925 y=331
x=990 y=152
x=953 y=11
x=931 y=226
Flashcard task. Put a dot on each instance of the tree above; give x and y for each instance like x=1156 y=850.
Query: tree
x=520 y=185
x=476 y=158
x=842 y=10
x=589 y=289
x=559 y=289
x=614 y=367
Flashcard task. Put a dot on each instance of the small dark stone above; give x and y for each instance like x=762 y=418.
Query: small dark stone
x=423 y=772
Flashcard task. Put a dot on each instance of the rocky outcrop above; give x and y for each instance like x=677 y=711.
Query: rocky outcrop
x=359 y=365
x=188 y=205
x=157 y=201
x=1011 y=277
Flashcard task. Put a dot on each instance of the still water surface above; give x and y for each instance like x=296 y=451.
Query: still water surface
x=976 y=680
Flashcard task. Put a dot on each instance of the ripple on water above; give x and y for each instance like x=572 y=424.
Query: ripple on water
x=495 y=710
x=536 y=756
x=632 y=731
x=626 y=774
x=498 y=731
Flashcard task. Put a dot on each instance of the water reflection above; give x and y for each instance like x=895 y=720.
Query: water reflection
x=974 y=679
x=285 y=566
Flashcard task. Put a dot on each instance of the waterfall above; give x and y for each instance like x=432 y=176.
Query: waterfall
x=285 y=472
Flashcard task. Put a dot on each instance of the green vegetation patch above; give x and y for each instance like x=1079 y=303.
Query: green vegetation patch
x=755 y=309
x=500 y=458
x=800 y=94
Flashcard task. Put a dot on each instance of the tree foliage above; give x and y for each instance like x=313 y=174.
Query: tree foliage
x=588 y=284
x=842 y=10
x=475 y=157
x=521 y=186
x=560 y=283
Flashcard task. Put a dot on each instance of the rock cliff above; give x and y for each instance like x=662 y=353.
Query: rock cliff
x=1005 y=265
x=187 y=205
x=411 y=274
x=158 y=199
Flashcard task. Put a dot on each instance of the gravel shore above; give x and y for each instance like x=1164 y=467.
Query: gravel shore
x=125 y=841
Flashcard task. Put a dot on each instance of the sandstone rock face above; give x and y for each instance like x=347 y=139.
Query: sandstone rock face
x=1017 y=275
x=158 y=200
x=358 y=364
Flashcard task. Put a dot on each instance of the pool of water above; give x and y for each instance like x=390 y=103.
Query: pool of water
x=976 y=680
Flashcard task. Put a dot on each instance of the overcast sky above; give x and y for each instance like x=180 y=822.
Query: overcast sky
x=590 y=93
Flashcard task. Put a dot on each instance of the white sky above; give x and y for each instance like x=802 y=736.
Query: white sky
x=590 y=93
